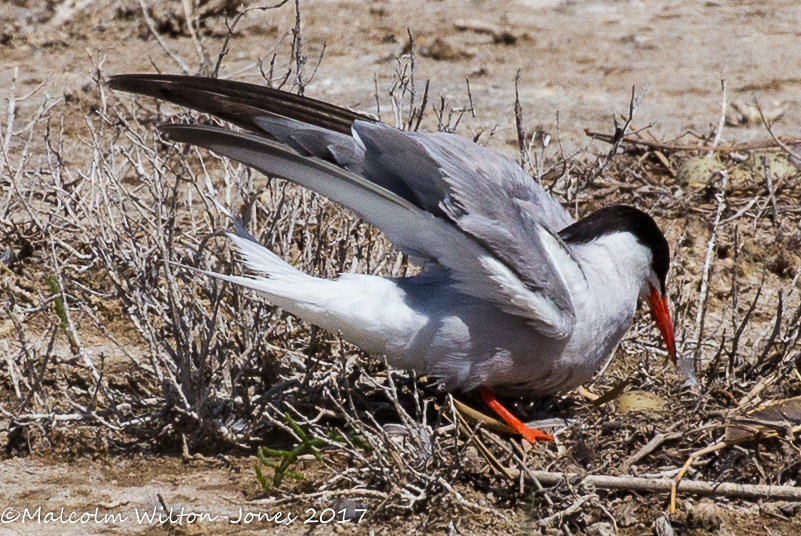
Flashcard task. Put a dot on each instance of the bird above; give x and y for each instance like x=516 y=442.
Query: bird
x=513 y=296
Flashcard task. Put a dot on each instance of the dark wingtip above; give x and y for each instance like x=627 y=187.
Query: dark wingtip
x=123 y=79
x=125 y=82
x=197 y=134
x=238 y=102
x=151 y=85
x=239 y=228
x=114 y=82
x=167 y=132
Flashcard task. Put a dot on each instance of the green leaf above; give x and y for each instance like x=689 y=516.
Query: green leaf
x=58 y=303
x=295 y=427
x=260 y=477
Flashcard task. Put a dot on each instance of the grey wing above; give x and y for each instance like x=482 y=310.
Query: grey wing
x=386 y=156
x=414 y=230
x=491 y=198
x=309 y=126
x=496 y=203
x=438 y=197
x=478 y=172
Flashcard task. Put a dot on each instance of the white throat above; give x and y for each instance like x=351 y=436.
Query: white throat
x=617 y=268
x=616 y=262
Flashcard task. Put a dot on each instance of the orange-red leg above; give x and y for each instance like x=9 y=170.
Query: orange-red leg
x=530 y=434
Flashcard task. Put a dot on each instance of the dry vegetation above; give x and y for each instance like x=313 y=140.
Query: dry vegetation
x=112 y=350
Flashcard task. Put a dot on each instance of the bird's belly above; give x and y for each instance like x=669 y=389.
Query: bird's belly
x=475 y=346
x=467 y=342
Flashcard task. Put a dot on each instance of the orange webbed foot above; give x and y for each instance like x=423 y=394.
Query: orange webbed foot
x=529 y=434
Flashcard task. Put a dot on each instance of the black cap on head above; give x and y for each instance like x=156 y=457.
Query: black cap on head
x=623 y=218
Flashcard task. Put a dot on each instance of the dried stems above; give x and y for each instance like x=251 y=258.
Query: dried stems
x=703 y=295
x=179 y=61
x=721 y=121
x=151 y=352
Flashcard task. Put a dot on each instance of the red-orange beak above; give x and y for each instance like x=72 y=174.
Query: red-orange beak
x=661 y=313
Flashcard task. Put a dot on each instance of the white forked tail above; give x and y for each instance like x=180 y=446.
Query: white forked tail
x=260 y=259
x=285 y=286
x=369 y=311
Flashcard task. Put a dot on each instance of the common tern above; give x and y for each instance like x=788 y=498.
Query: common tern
x=513 y=296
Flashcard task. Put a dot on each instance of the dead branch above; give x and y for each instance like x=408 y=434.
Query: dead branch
x=525 y=160
x=721 y=122
x=769 y=188
x=664 y=485
x=329 y=493
x=785 y=146
x=570 y=510
x=620 y=133
x=649 y=447
x=776 y=143
x=179 y=61
x=704 y=294
x=231 y=27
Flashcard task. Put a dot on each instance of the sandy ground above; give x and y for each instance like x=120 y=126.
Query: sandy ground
x=577 y=59
x=125 y=496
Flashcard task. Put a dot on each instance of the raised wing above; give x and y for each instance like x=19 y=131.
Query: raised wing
x=436 y=196
x=316 y=128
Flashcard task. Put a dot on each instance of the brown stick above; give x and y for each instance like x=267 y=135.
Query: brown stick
x=651 y=446
x=667 y=146
x=721 y=123
x=663 y=485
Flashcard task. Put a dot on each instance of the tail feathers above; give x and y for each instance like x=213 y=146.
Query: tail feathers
x=285 y=286
x=260 y=259
x=369 y=311
x=262 y=284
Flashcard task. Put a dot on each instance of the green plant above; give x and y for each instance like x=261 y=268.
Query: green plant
x=58 y=303
x=288 y=457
